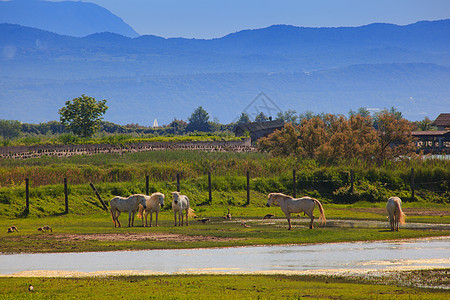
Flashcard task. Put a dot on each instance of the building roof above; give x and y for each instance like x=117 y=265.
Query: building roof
x=259 y=126
x=443 y=120
x=430 y=133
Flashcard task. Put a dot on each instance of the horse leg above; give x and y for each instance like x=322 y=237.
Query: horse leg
x=396 y=221
x=156 y=218
x=288 y=217
x=117 y=218
x=145 y=215
x=129 y=218
x=175 y=217
x=182 y=217
x=312 y=219
x=151 y=218
x=187 y=214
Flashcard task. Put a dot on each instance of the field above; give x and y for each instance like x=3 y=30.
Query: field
x=217 y=287
x=352 y=216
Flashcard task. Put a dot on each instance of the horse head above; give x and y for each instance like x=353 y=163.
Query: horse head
x=161 y=199
x=175 y=196
x=270 y=200
x=274 y=198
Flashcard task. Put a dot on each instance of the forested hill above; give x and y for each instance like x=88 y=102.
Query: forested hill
x=147 y=77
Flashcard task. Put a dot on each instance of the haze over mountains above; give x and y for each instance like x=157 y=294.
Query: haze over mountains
x=317 y=69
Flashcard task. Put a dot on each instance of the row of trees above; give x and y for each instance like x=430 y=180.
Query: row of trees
x=334 y=137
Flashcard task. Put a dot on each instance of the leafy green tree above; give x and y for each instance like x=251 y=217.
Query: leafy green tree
x=261 y=117
x=199 y=121
x=82 y=115
x=364 y=112
x=425 y=124
x=307 y=115
x=10 y=129
x=243 y=119
x=176 y=127
x=288 y=116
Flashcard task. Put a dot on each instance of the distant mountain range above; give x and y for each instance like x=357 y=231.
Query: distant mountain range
x=318 y=69
x=73 y=18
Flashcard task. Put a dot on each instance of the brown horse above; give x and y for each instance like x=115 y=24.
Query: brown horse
x=296 y=205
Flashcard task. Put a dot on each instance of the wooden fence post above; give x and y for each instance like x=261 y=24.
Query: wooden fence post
x=178 y=182
x=27 y=195
x=294 y=191
x=98 y=196
x=248 y=188
x=412 y=183
x=146 y=184
x=352 y=180
x=209 y=187
x=66 y=197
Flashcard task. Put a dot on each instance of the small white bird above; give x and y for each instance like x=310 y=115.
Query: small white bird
x=30 y=288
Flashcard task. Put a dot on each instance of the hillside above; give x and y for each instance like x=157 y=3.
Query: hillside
x=318 y=69
x=73 y=18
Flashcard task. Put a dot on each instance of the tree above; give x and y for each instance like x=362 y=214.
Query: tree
x=283 y=142
x=199 y=121
x=82 y=115
x=364 y=112
x=394 y=135
x=261 y=117
x=288 y=116
x=10 y=129
x=425 y=124
x=243 y=119
x=176 y=127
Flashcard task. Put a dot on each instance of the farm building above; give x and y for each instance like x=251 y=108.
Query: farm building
x=258 y=130
x=442 y=122
x=435 y=141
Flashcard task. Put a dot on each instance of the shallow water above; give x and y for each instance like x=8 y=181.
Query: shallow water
x=362 y=255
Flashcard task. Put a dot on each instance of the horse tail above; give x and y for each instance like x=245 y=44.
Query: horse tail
x=401 y=215
x=112 y=210
x=140 y=213
x=191 y=213
x=322 y=212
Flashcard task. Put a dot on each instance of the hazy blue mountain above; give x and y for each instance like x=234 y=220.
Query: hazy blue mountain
x=319 y=69
x=68 y=17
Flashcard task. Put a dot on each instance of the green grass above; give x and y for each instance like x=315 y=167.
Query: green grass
x=209 y=287
x=224 y=233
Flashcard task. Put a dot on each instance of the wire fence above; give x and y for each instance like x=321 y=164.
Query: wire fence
x=291 y=188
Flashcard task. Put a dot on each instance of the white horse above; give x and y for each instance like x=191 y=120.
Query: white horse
x=290 y=205
x=154 y=204
x=396 y=215
x=180 y=203
x=120 y=204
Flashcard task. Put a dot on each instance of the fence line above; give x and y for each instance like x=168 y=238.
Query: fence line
x=210 y=179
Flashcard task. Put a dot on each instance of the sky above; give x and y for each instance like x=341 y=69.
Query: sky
x=213 y=18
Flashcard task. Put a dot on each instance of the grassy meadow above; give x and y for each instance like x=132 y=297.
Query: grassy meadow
x=212 y=287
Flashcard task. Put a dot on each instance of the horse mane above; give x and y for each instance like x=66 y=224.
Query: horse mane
x=277 y=196
x=156 y=194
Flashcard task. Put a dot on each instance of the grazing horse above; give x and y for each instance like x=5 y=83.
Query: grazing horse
x=131 y=204
x=180 y=203
x=154 y=204
x=290 y=205
x=396 y=215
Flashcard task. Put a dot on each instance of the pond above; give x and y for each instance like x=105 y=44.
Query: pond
x=421 y=253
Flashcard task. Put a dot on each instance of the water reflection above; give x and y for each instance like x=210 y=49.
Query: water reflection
x=374 y=255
